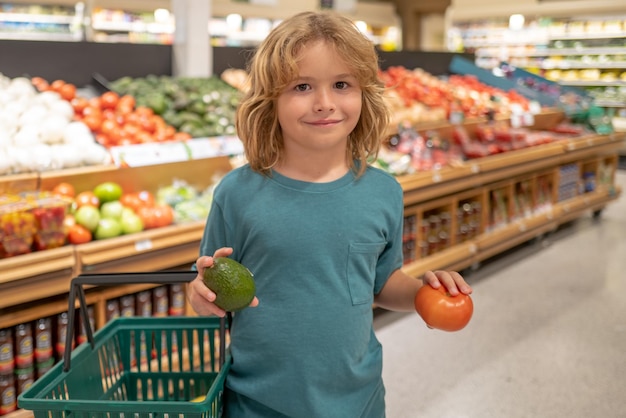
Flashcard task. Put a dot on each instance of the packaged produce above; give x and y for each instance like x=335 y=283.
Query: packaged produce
x=49 y=212
x=17 y=226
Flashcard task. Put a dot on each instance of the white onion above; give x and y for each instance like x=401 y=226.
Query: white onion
x=5 y=98
x=6 y=136
x=5 y=162
x=96 y=154
x=47 y=97
x=21 y=87
x=78 y=134
x=52 y=129
x=20 y=157
x=33 y=115
x=66 y=156
x=62 y=108
x=41 y=157
x=26 y=136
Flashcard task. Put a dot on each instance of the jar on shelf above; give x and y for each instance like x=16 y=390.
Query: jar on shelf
x=7 y=359
x=43 y=340
x=24 y=347
x=8 y=398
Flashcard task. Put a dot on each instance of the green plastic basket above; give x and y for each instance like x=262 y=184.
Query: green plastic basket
x=138 y=367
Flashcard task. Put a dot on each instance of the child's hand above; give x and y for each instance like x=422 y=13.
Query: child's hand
x=199 y=295
x=452 y=280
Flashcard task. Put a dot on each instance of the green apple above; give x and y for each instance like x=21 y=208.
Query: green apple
x=108 y=191
x=88 y=216
x=131 y=223
x=108 y=228
x=112 y=210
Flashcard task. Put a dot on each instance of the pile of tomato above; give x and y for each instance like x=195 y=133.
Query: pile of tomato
x=114 y=119
x=66 y=90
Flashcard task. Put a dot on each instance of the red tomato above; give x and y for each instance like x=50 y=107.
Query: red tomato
x=163 y=215
x=68 y=91
x=442 y=311
x=78 y=234
x=64 y=189
x=147 y=216
x=56 y=85
x=146 y=197
x=109 y=99
x=86 y=198
x=79 y=104
x=68 y=222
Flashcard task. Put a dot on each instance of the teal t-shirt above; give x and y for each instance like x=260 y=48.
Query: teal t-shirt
x=319 y=253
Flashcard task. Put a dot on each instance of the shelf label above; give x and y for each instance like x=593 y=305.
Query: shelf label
x=168 y=152
x=516 y=120
x=528 y=119
x=436 y=177
x=143 y=245
x=475 y=168
x=456 y=118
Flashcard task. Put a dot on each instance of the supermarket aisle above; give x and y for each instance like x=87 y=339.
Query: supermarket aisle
x=547 y=340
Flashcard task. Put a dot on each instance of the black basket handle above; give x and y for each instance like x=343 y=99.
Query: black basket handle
x=111 y=279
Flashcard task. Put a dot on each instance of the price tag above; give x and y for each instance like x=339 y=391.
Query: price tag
x=149 y=153
x=528 y=119
x=143 y=245
x=475 y=168
x=456 y=118
x=473 y=248
x=436 y=177
x=534 y=107
x=522 y=227
x=516 y=121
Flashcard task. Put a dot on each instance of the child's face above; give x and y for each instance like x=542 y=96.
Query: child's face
x=319 y=109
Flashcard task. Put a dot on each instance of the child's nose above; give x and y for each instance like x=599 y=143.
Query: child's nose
x=324 y=101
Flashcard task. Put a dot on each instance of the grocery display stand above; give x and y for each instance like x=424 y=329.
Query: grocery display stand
x=36 y=284
x=134 y=365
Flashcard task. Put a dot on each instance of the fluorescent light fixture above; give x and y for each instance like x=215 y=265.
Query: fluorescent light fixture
x=516 y=22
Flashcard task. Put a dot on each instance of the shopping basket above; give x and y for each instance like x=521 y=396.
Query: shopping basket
x=135 y=366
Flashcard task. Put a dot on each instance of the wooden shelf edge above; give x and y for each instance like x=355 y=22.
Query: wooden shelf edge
x=15 y=183
x=514 y=233
x=37 y=263
x=98 y=252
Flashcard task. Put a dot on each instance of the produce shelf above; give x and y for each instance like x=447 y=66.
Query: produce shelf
x=456 y=257
x=15 y=183
x=36 y=275
x=157 y=249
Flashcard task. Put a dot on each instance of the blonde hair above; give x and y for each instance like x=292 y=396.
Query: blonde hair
x=275 y=65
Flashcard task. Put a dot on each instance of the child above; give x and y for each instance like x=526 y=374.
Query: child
x=319 y=228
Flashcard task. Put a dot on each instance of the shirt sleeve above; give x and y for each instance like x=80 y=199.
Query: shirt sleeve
x=391 y=258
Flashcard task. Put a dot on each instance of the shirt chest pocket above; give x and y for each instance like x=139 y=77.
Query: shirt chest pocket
x=361 y=271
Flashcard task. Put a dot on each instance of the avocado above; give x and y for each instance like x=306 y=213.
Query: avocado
x=232 y=283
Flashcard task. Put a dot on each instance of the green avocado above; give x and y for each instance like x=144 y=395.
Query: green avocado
x=232 y=283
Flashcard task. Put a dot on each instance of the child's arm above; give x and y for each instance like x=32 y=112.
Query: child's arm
x=398 y=294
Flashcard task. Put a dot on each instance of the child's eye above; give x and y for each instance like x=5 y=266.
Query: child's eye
x=302 y=87
x=341 y=85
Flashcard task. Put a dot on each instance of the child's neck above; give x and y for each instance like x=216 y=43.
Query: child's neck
x=312 y=169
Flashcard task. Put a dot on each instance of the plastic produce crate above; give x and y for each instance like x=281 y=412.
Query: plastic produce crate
x=136 y=366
